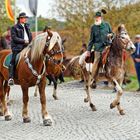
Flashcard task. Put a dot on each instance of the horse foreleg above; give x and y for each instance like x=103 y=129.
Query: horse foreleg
x=47 y=121
x=36 y=89
x=116 y=102
x=4 y=108
x=26 y=118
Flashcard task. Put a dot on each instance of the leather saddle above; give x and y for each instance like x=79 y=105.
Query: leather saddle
x=103 y=58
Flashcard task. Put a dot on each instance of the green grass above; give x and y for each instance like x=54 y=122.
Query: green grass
x=133 y=86
x=68 y=79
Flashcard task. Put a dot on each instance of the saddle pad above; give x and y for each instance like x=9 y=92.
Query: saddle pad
x=7 y=60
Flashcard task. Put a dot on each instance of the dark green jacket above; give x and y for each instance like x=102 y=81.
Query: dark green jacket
x=98 y=36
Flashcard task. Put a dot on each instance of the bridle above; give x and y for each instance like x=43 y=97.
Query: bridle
x=52 y=52
x=127 y=40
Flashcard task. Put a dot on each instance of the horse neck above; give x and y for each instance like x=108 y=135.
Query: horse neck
x=116 y=53
x=37 y=64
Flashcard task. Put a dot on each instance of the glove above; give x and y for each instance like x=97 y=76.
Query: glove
x=26 y=42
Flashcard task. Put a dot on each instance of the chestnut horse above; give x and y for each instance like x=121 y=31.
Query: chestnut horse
x=30 y=71
x=113 y=69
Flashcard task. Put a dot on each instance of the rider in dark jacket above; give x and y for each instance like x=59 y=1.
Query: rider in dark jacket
x=20 y=37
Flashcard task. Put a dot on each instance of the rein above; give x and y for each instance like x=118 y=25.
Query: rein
x=34 y=72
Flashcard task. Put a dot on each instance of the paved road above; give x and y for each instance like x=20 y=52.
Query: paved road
x=73 y=119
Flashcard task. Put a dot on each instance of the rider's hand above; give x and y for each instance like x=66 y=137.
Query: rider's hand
x=88 y=53
x=137 y=60
x=26 y=42
x=109 y=35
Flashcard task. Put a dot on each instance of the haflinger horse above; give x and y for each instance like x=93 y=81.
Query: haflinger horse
x=30 y=71
x=113 y=69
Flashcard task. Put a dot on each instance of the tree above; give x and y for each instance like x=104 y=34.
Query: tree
x=4 y=21
x=78 y=14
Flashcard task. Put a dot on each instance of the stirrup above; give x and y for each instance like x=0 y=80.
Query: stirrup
x=11 y=82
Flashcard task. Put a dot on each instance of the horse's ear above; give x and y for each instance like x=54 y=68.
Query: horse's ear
x=103 y=11
x=50 y=33
x=121 y=27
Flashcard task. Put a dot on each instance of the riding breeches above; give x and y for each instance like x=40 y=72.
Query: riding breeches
x=13 y=60
x=95 y=68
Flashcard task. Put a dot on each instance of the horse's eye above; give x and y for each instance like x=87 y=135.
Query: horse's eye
x=123 y=37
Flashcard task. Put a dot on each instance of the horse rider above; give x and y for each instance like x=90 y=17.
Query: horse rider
x=100 y=32
x=136 y=58
x=21 y=36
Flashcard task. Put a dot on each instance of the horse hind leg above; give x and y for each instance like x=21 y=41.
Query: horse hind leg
x=116 y=102
x=4 y=108
x=87 y=79
x=7 y=92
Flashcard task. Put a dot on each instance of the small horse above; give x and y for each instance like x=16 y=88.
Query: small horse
x=113 y=69
x=30 y=71
x=53 y=70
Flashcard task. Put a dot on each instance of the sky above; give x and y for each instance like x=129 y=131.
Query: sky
x=45 y=8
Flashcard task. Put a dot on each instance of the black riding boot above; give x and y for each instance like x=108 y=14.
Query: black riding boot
x=11 y=75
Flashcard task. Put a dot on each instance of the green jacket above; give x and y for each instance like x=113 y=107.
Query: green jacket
x=98 y=36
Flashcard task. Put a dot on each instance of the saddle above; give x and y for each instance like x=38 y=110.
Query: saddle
x=103 y=58
x=8 y=58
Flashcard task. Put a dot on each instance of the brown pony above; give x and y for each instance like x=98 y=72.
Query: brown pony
x=53 y=70
x=113 y=69
x=30 y=71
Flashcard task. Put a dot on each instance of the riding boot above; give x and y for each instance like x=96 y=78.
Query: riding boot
x=11 y=75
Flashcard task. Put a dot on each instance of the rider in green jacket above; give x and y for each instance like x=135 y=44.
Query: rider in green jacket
x=98 y=40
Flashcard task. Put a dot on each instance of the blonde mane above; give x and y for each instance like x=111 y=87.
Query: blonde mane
x=36 y=47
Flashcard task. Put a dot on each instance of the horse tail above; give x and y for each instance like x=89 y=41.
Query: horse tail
x=74 y=67
x=82 y=59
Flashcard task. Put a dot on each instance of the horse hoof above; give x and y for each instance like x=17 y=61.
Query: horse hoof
x=93 y=86
x=47 y=122
x=8 y=118
x=55 y=97
x=35 y=95
x=122 y=112
x=1 y=114
x=86 y=100
x=26 y=120
x=8 y=104
x=111 y=106
x=93 y=107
